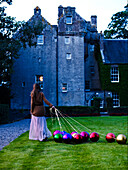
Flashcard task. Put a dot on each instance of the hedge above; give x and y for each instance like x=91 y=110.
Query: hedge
x=4 y=113
x=75 y=111
x=119 y=111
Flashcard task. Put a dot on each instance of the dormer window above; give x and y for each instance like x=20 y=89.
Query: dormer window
x=68 y=20
x=40 y=39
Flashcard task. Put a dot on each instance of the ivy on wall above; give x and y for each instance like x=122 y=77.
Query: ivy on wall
x=104 y=72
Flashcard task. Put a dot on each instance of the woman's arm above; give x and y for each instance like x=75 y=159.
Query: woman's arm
x=46 y=101
x=32 y=104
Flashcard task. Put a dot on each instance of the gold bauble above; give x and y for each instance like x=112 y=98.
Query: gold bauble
x=74 y=134
x=121 y=139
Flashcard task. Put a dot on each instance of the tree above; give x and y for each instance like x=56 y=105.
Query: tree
x=118 y=27
x=9 y=48
x=13 y=35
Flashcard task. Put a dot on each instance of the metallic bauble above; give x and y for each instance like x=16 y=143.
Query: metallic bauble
x=94 y=137
x=74 y=134
x=110 y=137
x=78 y=138
x=67 y=138
x=121 y=139
x=55 y=132
x=85 y=136
x=58 y=137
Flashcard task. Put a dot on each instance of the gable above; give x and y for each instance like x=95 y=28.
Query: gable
x=115 y=51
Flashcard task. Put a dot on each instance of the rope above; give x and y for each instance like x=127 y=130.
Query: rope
x=76 y=122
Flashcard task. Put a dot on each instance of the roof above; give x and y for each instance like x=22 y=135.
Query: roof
x=115 y=51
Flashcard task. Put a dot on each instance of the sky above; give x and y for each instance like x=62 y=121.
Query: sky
x=104 y=9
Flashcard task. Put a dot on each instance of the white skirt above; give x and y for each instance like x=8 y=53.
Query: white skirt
x=38 y=129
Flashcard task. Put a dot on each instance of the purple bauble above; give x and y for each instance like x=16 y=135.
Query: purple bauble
x=63 y=132
x=94 y=137
x=55 y=132
x=67 y=138
x=73 y=133
x=85 y=136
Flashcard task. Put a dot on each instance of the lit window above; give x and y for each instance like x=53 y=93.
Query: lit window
x=39 y=80
x=116 y=100
x=64 y=87
x=68 y=20
x=68 y=56
x=67 y=40
x=114 y=74
x=40 y=39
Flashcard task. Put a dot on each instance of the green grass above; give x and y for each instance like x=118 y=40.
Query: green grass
x=23 y=153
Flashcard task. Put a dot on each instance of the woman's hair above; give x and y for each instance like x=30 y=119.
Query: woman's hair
x=36 y=90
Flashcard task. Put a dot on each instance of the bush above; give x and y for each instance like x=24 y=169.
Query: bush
x=75 y=111
x=119 y=111
x=4 y=113
x=97 y=103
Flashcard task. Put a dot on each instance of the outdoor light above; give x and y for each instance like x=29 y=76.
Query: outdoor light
x=41 y=78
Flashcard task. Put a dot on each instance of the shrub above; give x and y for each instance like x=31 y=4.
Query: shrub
x=75 y=111
x=4 y=113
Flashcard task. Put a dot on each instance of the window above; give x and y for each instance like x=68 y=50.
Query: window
x=39 y=79
x=116 y=101
x=67 y=40
x=68 y=56
x=114 y=74
x=68 y=20
x=91 y=47
x=101 y=104
x=40 y=39
x=92 y=70
x=64 y=87
x=87 y=85
x=23 y=84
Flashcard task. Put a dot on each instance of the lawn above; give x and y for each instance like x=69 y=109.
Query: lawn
x=23 y=153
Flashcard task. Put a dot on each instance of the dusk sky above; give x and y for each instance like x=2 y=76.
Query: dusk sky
x=104 y=9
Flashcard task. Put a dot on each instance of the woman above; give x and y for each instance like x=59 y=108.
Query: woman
x=38 y=125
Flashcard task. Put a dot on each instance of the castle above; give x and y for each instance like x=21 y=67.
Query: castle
x=63 y=63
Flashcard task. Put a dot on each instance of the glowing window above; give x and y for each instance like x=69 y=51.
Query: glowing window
x=39 y=79
x=64 y=87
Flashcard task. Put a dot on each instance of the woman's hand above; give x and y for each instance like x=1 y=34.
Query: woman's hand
x=53 y=109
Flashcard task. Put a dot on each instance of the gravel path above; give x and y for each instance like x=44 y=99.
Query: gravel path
x=9 y=132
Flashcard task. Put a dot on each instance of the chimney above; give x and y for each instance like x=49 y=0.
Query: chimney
x=94 y=21
x=60 y=11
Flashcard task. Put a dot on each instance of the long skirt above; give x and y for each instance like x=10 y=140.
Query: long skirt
x=38 y=129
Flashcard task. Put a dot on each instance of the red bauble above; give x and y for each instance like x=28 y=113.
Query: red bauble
x=94 y=137
x=78 y=138
x=110 y=137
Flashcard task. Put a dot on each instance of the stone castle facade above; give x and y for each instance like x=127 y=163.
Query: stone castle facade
x=63 y=62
